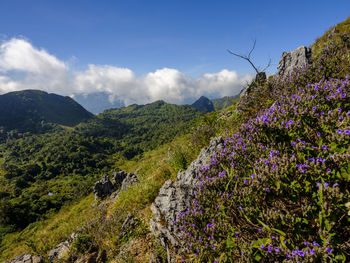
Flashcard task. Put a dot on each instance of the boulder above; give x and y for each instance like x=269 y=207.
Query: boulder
x=61 y=250
x=118 y=177
x=129 y=180
x=260 y=77
x=128 y=224
x=175 y=197
x=103 y=188
x=299 y=57
x=26 y=258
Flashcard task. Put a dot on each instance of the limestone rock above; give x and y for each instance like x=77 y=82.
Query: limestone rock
x=26 y=258
x=175 y=197
x=129 y=180
x=299 y=57
x=129 y=222
x=60 y=250
x=118 y=177
x=260 y=77
x=103 y=188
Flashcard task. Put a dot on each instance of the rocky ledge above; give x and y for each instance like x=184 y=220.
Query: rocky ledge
x=174 y=198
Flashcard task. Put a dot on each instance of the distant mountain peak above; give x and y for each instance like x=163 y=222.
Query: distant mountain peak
x=203 y=104
x=23 y=110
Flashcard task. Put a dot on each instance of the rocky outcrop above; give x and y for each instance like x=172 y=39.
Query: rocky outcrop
x=103 y=188
x=299 y=57
x=129 y=180
x=120 y=182
x=175 y=197
x=61 y=250
x=260 y=77
x=26 y=258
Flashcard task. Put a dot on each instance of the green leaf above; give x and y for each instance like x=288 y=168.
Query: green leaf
x=279 y=232
x=264 y=225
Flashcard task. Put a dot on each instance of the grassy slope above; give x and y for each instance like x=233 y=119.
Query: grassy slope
x=154 y=170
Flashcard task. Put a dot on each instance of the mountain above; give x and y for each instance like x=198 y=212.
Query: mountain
x=24 y=110
x=224 y=102
x=272 y=185
x=97 y=102
x=142 y=126
x=203 y=104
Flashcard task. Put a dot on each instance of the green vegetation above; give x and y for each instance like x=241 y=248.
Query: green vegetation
x=277 y=192
x=225 y=102
x=40 y=173
x=36 y=111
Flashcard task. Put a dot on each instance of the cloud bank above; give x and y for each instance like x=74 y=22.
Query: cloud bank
x=22 y=66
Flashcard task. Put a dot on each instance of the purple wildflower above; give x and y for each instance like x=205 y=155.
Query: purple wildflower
x=329 y=250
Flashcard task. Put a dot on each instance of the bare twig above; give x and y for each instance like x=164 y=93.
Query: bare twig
x=249 y=60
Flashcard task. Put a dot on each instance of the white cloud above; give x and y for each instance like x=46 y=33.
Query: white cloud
x=23 y=66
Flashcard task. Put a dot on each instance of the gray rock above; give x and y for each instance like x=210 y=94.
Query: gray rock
x=60 y=250
x=103 y=188
x=299 y=57
x=129 y=180
x=175 y=197
x=118 y=177
x=129 y=222
x=26 y=258
x=260 y=77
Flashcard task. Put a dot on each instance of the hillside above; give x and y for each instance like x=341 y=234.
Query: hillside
x=28 y=109
x=225 y=102
x=67 y=162
x=203 y=104
x=270 y=185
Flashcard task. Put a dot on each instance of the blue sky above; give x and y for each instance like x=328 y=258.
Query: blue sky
x=190 y=37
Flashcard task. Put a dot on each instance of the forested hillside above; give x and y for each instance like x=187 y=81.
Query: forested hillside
x=40 y=173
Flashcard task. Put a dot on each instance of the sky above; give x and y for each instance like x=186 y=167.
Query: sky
x=141 y=51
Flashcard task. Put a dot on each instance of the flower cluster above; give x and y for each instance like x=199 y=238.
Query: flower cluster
x=277 y=190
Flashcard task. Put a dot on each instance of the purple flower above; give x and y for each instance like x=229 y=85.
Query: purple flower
x=339 y=131
x=315 y=244
x=269 y=249
x=318 y=134
x=301 y=253
x=336 y=184
x=324 y=147
x=267 y=189
x=240 y=207
x=262 y=246
x=311 y=251
x=277 y=249
x=347 y=132
x=329 y=250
